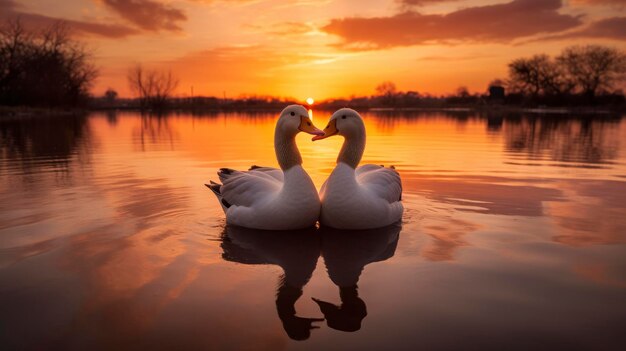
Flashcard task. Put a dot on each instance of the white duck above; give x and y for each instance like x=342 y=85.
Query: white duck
x=270 y=198
x=357 y=198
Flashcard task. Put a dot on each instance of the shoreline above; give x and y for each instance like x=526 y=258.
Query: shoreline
x=25 y=111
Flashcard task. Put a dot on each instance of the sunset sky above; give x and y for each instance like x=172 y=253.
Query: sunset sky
x=326 y=48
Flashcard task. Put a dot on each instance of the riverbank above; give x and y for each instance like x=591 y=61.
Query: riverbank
x=508 y=109
x=25 y=111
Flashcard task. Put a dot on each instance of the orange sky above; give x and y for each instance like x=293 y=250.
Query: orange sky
x=325 y=48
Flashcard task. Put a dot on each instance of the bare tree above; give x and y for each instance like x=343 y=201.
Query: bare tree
x=462 y=92
x=15 y=44
x=536 y=75
x=152 y=87
x=46 y=68
x=386 y=89
x=593 y=68
x=110 y=95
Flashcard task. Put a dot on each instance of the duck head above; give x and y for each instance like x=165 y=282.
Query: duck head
x=295 y=119
x=345 y=122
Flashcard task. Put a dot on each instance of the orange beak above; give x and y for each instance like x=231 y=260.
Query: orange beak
x=330 y=130
x=307 y=126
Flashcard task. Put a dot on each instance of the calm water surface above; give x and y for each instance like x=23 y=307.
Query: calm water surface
x=514 y=237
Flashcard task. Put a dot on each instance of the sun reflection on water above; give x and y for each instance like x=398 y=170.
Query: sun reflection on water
x=109 y=213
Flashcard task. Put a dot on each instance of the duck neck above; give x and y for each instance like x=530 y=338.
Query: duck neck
x=287 y=152
x=352 y=149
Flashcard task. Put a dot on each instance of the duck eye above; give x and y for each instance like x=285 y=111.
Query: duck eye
x=292 y=113
x=343 y=117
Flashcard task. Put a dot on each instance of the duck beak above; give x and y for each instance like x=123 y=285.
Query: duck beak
x=307 y=126
x=330 y=130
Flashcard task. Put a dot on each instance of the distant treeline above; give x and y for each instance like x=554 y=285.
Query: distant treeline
x=50 y=69
x=194 y=103
x=581 y=76
x=591 y=74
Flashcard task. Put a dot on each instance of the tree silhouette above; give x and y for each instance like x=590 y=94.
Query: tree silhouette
x=152 y=87
x=387 y=92
x=462 y=92
x=587 y=70
x=110 y=95
x=593 y=68
x=536 y=75
x=386 y=88
x=44 y=68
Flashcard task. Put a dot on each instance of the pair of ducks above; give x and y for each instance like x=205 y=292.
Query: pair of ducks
x=352 y=197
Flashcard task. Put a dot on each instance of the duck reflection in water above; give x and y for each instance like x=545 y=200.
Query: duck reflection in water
x=295 y=251
x=345 y=252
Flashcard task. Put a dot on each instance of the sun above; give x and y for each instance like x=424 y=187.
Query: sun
x=310 y=101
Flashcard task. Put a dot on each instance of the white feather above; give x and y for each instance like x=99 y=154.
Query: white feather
x=364 y=197
x=368 y=197
x=271 y=198
x=268 y=198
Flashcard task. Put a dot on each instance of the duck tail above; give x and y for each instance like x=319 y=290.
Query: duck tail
x=225 y=173
x=215 y=188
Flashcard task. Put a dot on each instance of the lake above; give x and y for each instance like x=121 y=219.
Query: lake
x=513 y=237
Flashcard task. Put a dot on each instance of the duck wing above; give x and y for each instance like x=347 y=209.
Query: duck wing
x=246 y=188
x=269 y=171
x=382 y=181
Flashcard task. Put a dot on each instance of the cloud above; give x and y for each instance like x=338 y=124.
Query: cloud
x=618 y=3
x=231 y=65
x=422 y=2
x=608 y=28
x=284 y=28
x=148 y=14
x=437 y=58
x=492 y=23
x=230 y=68
x=614 y=28
x=239 y=2
x=285 y=4
x=9 y=10
x=276 y=69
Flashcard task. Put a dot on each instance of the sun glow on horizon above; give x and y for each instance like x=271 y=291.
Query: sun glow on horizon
x=338 y=49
